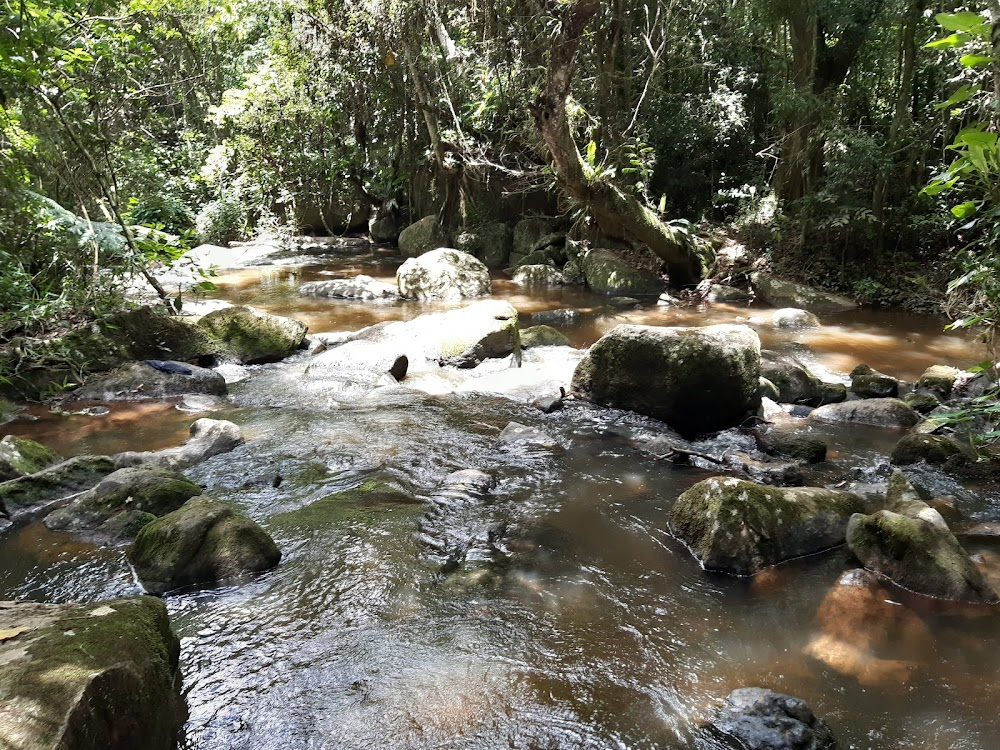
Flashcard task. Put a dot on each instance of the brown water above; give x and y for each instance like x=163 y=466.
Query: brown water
x=573 y=619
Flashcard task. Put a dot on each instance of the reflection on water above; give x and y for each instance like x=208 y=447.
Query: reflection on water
x=571 y=619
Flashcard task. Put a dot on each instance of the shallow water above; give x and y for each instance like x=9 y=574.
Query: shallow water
x=554 y=613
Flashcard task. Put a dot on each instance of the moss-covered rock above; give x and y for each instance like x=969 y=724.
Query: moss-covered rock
x=542 y=336
x=148 y=380
x=939 y=379
x=444 y=273
x=202 y=542
x=868 y=383
x=491 y=243
x=19 y=456
x=149 y=490
x=922 y=402
x=740 y=527
x=528 y=232
x=89 y=676
x=934 y=449
x=695 y=379
x=832 y=393
x=373 y=492
x=783 y=293
x=33 y=494
x=795 y=384
x=609 y=273
x=879 y=412
x=422 y=237
x=918 y=555
x=801 y=447
x=243 y=335
x=573 y=274
x=537 y=275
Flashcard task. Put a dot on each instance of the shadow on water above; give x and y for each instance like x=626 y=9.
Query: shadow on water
x=571 y=619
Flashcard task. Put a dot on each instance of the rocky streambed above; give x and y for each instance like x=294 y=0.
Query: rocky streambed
x=471 y=558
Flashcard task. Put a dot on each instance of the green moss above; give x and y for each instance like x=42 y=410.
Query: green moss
x=25 y=494
x=19 y=457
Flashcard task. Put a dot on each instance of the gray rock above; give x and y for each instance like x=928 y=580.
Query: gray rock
x=794 y=319
x=20 y=457
x=385 y=229
x=422 y=237
x=88 y=676
x=934 y=449
x=444 y=273
x=548 y=404
x=727 y=294
x=801 y=447
x=147 y=490
x=244 y=335
x=939 y=379
x=537 y=276
x=573 y=274
x=879 y=412
x=740 y=527
x=518 y=434
x=542 y=336
x=470 y=480
x=759 y=719
x=360 y=287
x=782 y=293
x=141 y=381
x=867 y=383
x=555 y=317
x=202 y=542
x=694 y=379
x=209 y=437
x=197 y=403
x=528 y=232
x=922 y=401
x=491 y=243
x=795 y=384
x=35 y=494
x=608 y=273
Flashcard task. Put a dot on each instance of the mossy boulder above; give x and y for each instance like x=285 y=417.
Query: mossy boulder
x=153 y=379
x=422 y=237
x=204 y=541
x=878 y=412
x=800 y=447
x=528 y=232
x=19 y=457
x=795 y=384
x=491 y=243
x=244 y=335
x=542 y=336
x=695 y=379
x=444 y=273
x=89 y=676
x=869 y=383
x=934 y=449
x=922 y=402
x=832 y=393
x=608 y=273
x=537 y=275
x=34 y=494
x=740 y=527
x=573 y=274
x=784 y=293
x=147 y=490
x=918 y=555
x=940 y=379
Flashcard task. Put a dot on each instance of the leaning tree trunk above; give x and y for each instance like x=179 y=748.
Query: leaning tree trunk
x=616 y=212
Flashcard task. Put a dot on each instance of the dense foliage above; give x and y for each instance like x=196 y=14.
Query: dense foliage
x=811 y=125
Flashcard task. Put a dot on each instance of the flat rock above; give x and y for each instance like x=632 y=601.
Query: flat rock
x=879 y=412
x=35 y=494
x=142 y=381
x=208 y=437
x=360 y=288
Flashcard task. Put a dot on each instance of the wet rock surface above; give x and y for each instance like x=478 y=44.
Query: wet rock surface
x=19 y=457
x=35 y=494
x=243 y=335
x=760 y=719
x=360 y=287
x=208 y=437
x=878 y=412
x=153 y=379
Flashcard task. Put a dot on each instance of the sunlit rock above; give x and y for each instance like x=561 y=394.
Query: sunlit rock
x=609 y=273
x=783 y=293
x=759 y=719
x=422 y=237
x=537 y=275
x=151 y=379
x=793 y=318
x=878 y=412
x=19 y=456
x=360 y=287
x=34 y=494
x=244 y=335
x=209 y=437
x=444 y=273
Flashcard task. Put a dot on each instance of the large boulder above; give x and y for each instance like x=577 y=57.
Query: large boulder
x=89 y=676
x=244 y=335
x=19 y=457
x=609 y=273
x=879 y=412
x=695 y=379
x=939 y=379
x=491 y=243
x=934 y=449
x=543 y=336
x=124 y=501
x=444 y=273
x=528 y=233
x=794 y=319
x=202 y=542
x=740 y=527
x=783 y=293
x=360 y=287
x=795 y=384
x=759 y=719
x=152 y=379
x=34 y=494
x=422 y=237
x=537 y=275
x=208 y=437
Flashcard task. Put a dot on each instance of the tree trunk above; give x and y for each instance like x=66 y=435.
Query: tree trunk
x=616 y=212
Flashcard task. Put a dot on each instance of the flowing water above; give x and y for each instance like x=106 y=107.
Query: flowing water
x=571 y=619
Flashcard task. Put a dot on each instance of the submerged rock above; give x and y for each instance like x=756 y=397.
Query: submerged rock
x=208 y=437
x=783 y=293
x=517 y=433
x=740 y=527
x=243 y=335
x=694 y=379
x=422 y=237
x=608 y=273
x=444 y=273
x=801 y=447
x=879 y=412
x=542 y=336
x=360 y=287
x=34 y=494
x=89 y=676
x=142 y=492
x=202 y=542
x=141 y=381
x=20 y=457
x=759 y=719
x=793 y=318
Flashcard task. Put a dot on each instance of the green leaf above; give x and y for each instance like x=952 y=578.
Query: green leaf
x=976 y=61
x=591 y=154
x=970 y=23
x=950 y=42
x=965 y=210
x=963 y=94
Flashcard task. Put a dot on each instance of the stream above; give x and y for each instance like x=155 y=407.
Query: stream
x=573 y=620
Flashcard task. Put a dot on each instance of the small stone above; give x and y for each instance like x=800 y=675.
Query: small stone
x=516 y=433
